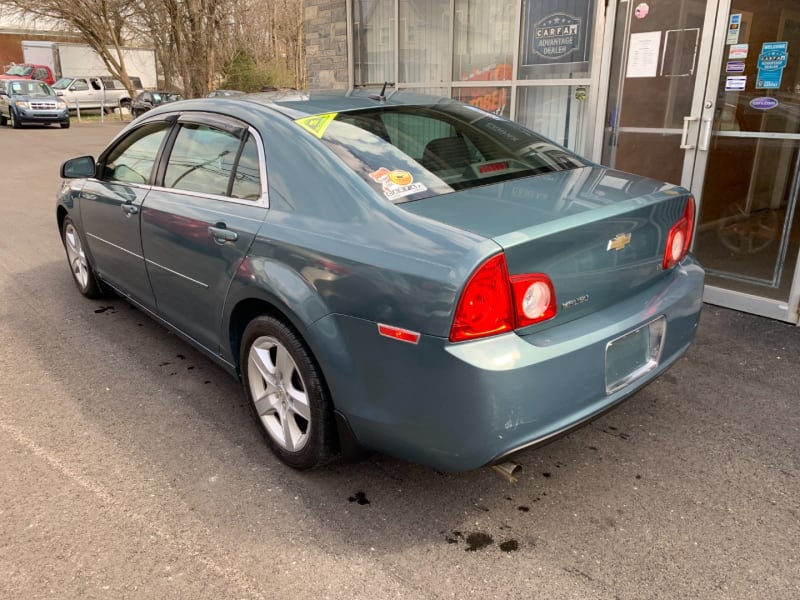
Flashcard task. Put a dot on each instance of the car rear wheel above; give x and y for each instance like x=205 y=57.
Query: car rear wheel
x=288 y=396
x=3 y=120
x=14 y=120
x=79 y=264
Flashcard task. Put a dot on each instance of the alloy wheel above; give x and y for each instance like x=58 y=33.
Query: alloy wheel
x=279 y=393
x=76 y=256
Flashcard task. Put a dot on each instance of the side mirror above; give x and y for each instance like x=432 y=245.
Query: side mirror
x=74 y=168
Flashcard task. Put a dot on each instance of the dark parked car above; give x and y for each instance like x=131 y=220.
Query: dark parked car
x=411 y=275
x=148 y=100
x=24 y=101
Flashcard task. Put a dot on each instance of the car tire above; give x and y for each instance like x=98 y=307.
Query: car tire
x=82 y=271
x=13 y=120
x=65 y=125
x=3 y=120
x=287 y=394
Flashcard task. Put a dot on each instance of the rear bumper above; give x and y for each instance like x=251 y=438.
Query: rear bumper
x=461 y=406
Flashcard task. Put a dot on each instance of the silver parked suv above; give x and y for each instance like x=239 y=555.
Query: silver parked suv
x=28 y=101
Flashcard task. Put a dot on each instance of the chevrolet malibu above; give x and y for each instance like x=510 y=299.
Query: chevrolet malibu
x=407 y=274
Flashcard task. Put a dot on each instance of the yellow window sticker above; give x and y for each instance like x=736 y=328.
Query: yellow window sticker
x=317 y=124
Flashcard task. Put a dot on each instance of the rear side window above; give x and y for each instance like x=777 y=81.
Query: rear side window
x=247 y=180
x=412 y=152
x=208 y=160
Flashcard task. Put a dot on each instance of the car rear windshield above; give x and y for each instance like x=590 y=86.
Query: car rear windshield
x=413 y=152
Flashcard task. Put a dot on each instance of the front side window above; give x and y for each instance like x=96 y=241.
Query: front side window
x=205 y=159
x=133 y=158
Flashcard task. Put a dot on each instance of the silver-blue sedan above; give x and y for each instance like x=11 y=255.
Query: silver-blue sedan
x=406 y=274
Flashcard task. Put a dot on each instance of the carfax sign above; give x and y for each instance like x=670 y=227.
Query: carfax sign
x=556 y=32
x=771 y=63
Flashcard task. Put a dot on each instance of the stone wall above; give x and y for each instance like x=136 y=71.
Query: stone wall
x=326 y=43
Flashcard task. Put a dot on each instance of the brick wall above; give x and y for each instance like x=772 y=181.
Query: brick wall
x=326 y=43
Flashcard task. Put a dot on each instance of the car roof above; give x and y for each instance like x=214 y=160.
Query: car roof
x=299 y=103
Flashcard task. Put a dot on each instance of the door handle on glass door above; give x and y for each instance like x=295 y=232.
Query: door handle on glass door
x=685 y=145
x=705 y=134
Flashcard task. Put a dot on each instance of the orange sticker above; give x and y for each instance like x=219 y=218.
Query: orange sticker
x=397 y=183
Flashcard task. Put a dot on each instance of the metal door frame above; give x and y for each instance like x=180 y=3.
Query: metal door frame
x=698 y=131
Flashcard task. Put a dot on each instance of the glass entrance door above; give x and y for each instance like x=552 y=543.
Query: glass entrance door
x=747 y=167
x=706 y=93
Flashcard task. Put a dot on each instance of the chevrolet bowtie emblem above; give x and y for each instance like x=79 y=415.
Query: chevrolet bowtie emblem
x=619 y=242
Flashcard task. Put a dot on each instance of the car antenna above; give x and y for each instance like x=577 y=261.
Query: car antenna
x=382 y=96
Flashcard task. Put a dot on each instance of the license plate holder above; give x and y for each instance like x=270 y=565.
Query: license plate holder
x=634 y=354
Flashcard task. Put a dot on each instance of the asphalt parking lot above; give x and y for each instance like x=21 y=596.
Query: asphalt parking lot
x=130 y=467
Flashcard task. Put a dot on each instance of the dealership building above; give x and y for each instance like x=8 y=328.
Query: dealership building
x=703 y=93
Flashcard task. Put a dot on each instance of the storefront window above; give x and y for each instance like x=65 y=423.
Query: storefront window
x=424 y=36
x=556 y=39
x=442 y=92
x=556 y=112
x=373 y=41
x=483 y=40
x=495 y=100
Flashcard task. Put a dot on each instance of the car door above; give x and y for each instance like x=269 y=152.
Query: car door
x=199 y=223
x=110 y=210
x=98 y=92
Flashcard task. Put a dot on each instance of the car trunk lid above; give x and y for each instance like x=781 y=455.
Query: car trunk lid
x=600 y=235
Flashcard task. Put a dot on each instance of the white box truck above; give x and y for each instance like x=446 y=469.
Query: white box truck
x=68 y=59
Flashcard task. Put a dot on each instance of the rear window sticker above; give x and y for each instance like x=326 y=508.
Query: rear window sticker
x=396 y=183
x=317 y=124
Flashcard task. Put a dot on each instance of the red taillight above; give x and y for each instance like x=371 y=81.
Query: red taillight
x=485 y=305
x=680 y=237
x=492 y=302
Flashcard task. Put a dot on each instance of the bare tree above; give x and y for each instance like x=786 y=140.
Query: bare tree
x=195 y=41
x=101 y=22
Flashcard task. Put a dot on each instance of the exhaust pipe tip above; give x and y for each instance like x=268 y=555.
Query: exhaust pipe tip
x=509 y=470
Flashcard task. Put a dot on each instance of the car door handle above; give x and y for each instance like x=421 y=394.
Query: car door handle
x=129 y=209
x=222 y=234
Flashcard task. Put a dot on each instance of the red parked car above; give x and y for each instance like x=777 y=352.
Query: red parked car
x=27 y=71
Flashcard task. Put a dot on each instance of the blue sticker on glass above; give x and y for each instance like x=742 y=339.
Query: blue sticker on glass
x=764 y=103
x=771 y=63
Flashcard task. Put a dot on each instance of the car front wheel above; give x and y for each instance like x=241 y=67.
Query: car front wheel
x=288 y=396
x=79 y=264
x=14 y=121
